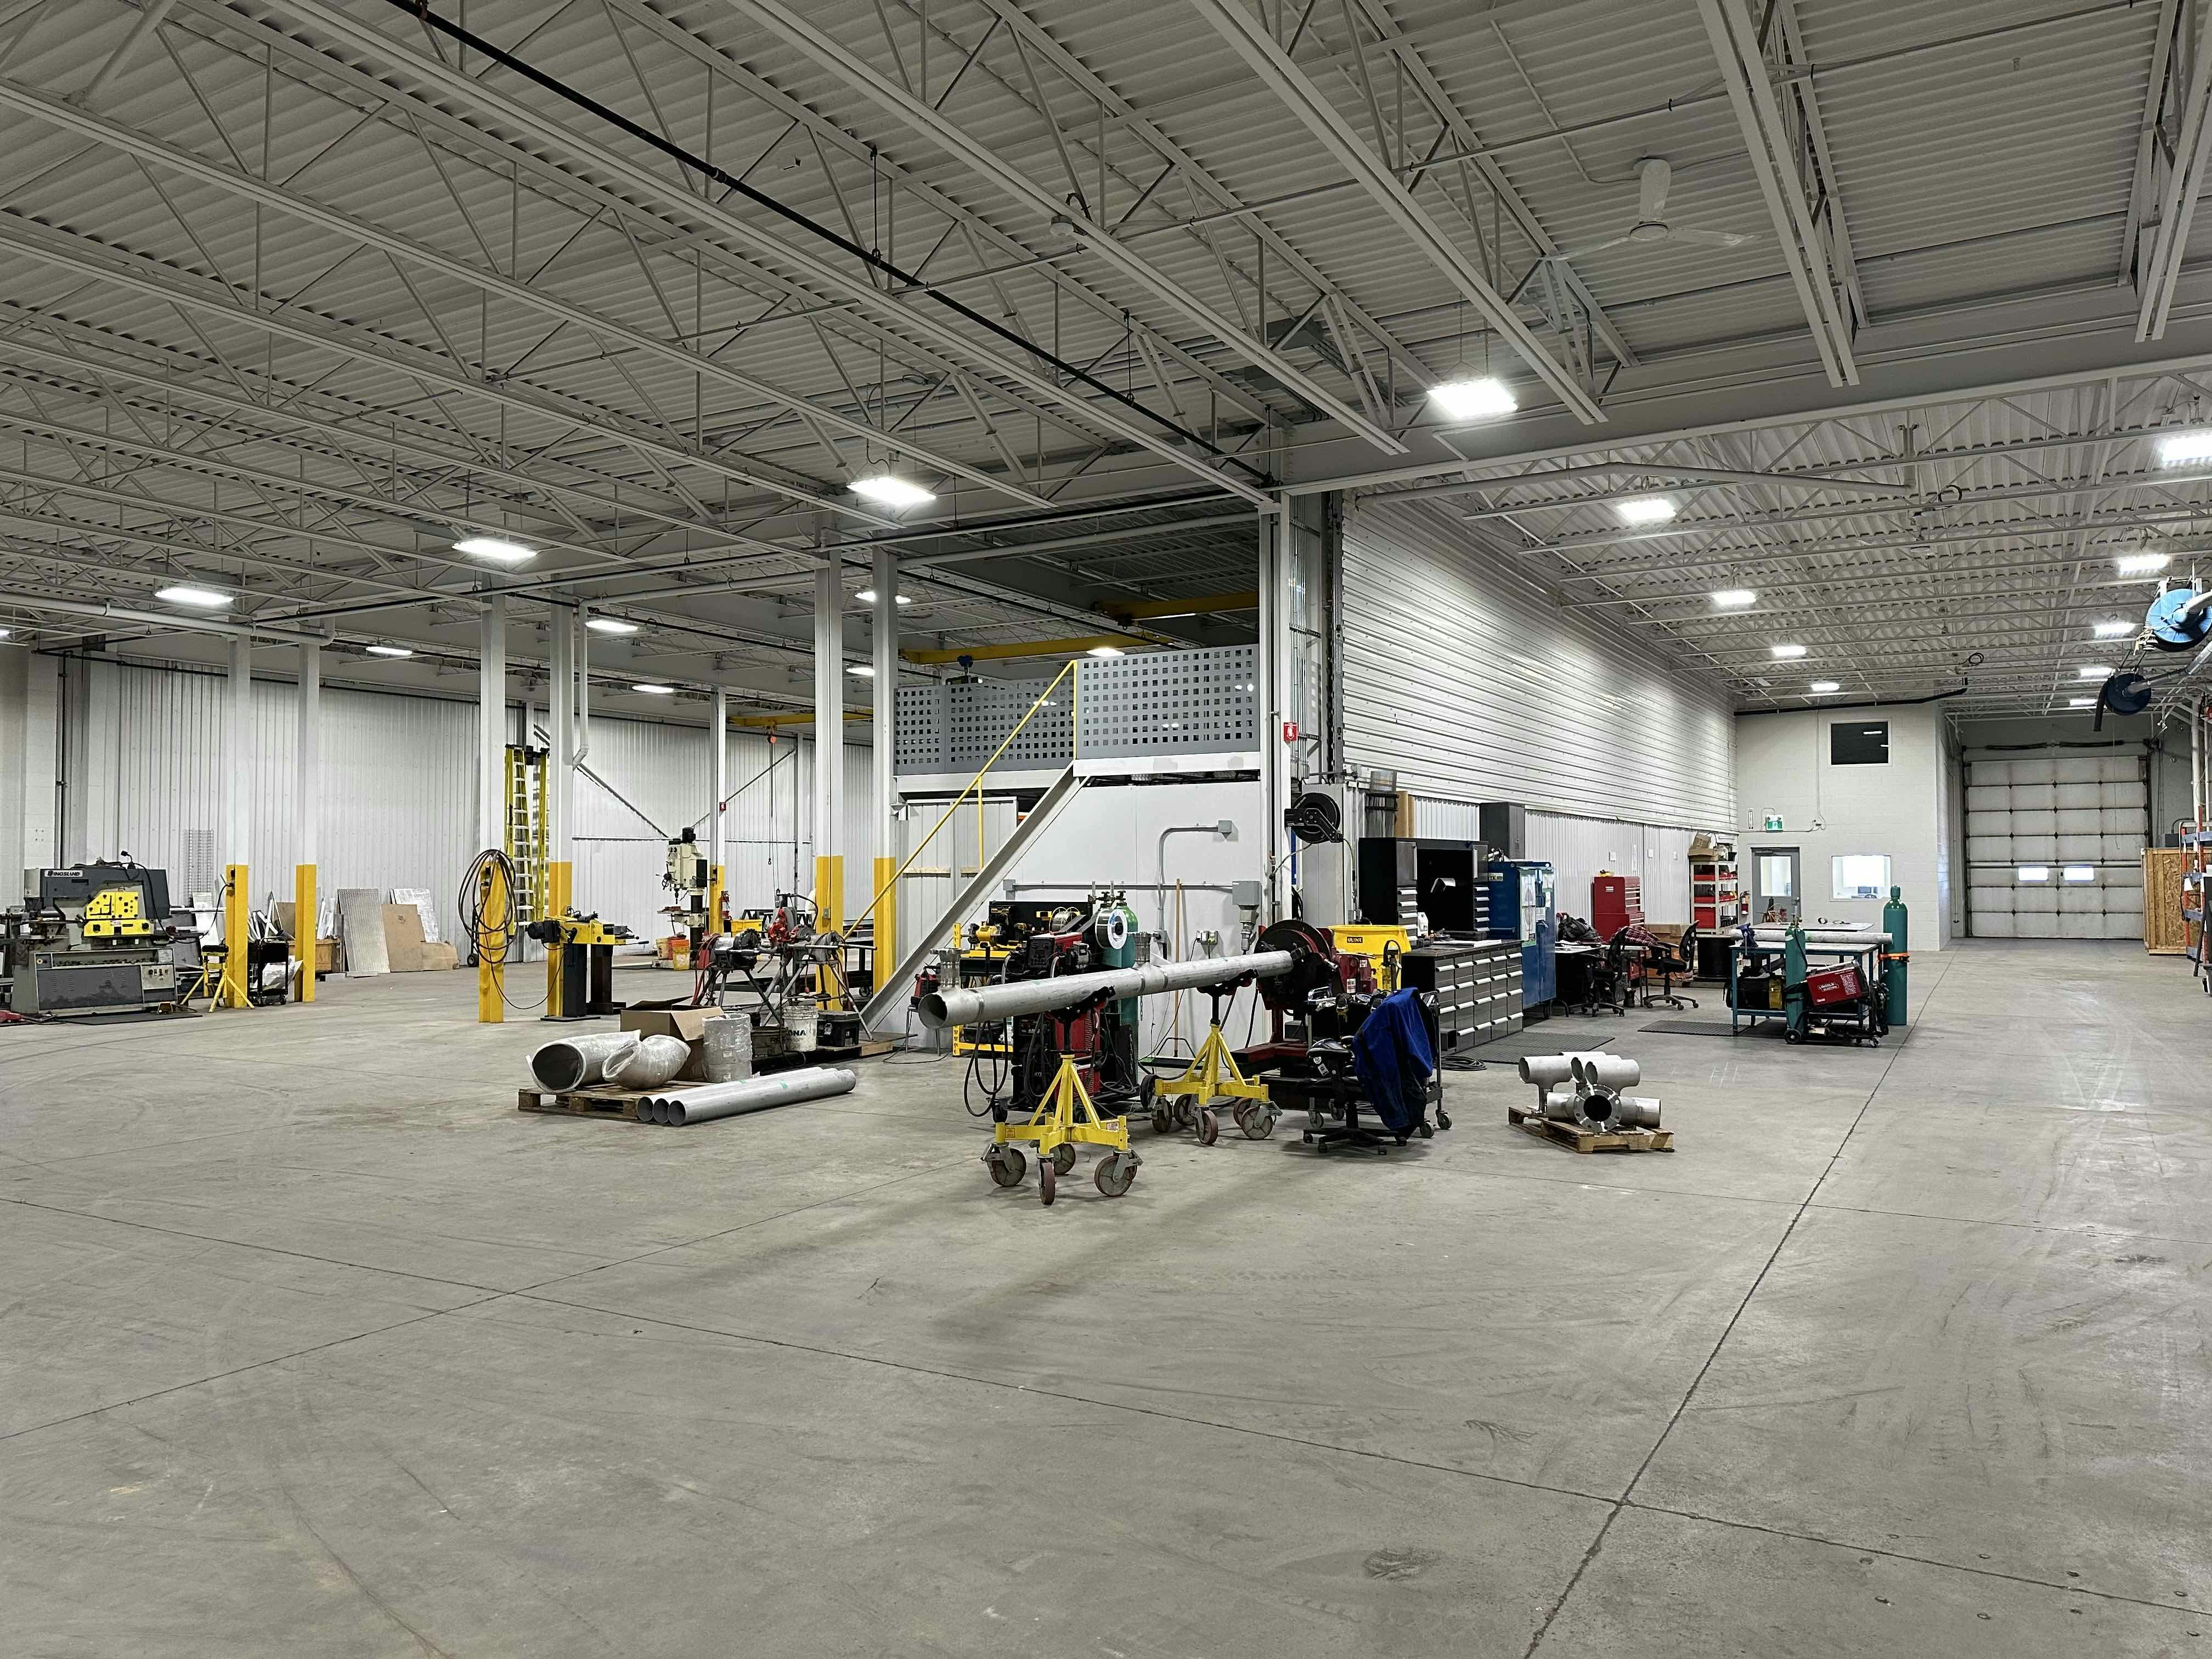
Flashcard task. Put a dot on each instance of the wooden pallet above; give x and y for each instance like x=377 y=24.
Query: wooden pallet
x=1579 y=1139
x=581 y=1102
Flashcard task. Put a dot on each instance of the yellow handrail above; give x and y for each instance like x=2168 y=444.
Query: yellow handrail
x=975 y=784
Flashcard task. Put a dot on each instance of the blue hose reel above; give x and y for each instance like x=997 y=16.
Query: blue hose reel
x=2178 y=620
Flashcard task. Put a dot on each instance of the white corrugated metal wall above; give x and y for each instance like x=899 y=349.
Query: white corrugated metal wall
x=145 y=773
x=1618 y=759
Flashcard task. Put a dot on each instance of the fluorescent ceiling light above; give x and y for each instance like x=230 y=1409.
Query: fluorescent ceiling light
x=2114 y=630
x=2184 y=447
x=1483 y=397
x=2093 y=670
x=865 y=670
x=207 y=599
x=1645 y=509
x=2142 y=564
x=610 y=625
x=867 y=596
x=1105 y=650
x=1734 y=598
x=2080 y=702
x=888 y=490
x=389 y=651
x=497 y=549
x=652 y=689
x=1785 y=653
x=5 y=632
x=1822 y=688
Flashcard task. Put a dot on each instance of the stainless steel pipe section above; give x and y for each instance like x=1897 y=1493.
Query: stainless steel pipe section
x=1772 y=938
x=1614 y=1072
x=1545 y=1070
x=577 y=1062
x=707 y=1101
x=1040 y=996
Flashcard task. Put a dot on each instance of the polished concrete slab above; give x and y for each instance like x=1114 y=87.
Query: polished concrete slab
x=310 y=1343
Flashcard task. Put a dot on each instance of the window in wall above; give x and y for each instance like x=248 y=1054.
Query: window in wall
x=1861 y=875
x=2080 y=872
x=2031 y=872
x=1858 y=742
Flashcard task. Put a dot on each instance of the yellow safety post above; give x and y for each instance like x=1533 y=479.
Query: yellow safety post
x=303 y=926
x=556 y=904
x=887 y=941
x=236 y=891
x=715 y=899
x=830 y=918
x=1064 y=1117
x=492 y=940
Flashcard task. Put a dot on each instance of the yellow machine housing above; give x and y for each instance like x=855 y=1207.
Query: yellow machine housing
x=115 y=913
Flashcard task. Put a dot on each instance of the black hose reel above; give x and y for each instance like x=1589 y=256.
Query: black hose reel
x=1315 y=818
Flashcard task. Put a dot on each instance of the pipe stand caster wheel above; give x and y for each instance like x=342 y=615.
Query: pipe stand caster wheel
x=1116 y=1173
x=1063 y=1158
x=1006 y=1165
x=1209 y=1127
x=1048 y=1183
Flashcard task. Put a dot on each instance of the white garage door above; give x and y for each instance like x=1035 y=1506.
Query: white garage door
x=2054 y=846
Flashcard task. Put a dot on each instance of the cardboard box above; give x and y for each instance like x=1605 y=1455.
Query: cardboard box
x=403 y=939
x=1403 y=821
x=688 y=1023
x=441 y=955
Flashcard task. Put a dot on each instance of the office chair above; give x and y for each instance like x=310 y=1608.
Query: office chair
x=1682 y=959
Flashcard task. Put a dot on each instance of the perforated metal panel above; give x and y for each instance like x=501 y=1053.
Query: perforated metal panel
x=918 y=729
x=1190 y=703
x=978 y=716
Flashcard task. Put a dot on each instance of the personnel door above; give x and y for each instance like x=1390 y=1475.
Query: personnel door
x=1777 y=893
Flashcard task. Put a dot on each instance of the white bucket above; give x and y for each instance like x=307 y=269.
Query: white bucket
x=802 y=1026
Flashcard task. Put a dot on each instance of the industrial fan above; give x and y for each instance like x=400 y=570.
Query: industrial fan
x=1654 y=177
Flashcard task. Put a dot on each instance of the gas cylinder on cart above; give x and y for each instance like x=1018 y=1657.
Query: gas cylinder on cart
x=1893 y=960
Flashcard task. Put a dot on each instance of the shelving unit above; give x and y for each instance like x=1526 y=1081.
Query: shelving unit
x=1716 y=908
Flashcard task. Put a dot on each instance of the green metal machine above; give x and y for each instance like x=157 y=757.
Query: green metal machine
x=1895 y=957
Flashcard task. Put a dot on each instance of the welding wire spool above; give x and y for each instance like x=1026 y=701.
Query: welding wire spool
x=705 y=1102
x=1545 y=1070
x=1607 y=1071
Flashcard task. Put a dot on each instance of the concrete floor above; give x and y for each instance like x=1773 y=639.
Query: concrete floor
x=310 y=1343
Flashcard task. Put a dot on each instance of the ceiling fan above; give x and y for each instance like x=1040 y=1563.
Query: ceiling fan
x=1654 y=176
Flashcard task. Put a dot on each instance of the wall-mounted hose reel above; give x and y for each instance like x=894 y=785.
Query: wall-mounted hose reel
x=2179 y=619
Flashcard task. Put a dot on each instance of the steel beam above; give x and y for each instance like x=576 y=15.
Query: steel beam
x=1305 y=101
x=856 y=73
x=553 y=137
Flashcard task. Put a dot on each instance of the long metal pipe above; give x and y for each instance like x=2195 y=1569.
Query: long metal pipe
x=1040 y=996
x=753 y=1094
x=1773 y=938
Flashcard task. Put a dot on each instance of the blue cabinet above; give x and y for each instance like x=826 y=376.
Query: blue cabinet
x=1519 y=899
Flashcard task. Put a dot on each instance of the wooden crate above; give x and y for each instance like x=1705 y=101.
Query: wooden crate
x=581 y=1102
x=1579 y=1139
x=2165 y=933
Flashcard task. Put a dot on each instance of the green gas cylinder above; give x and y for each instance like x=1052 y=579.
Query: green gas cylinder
x=1893 y=960
x=1118 y=933
x=1796 y=1003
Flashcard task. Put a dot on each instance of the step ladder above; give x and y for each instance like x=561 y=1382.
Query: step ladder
x=526 y=829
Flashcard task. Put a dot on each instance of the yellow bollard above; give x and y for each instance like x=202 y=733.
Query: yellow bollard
x=886 y=919
x=715 y=900
x=557 y=877
x=492 y=941
x=236 y=896
x=303 y=926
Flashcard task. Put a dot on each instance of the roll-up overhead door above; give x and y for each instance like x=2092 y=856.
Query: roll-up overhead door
x=2054 y=845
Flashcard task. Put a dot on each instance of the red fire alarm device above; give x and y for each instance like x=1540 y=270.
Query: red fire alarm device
x=1290 y=731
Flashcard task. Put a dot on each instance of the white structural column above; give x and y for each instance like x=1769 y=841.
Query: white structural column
x=238 y=758
x=829 y=744
x=561 y=734
x=718 y=747
x=491 y=724
x=306 y=802
x=1275 y=755
x=885 y=755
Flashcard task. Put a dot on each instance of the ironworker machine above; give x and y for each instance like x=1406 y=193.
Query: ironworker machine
x=93 y=939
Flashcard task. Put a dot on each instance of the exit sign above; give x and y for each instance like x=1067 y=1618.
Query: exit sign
x=1774 y=820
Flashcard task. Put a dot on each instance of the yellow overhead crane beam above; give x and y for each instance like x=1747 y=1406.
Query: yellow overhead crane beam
x=1074 y=647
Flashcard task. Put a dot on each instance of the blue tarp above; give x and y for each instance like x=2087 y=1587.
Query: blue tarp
x=1393 y=1060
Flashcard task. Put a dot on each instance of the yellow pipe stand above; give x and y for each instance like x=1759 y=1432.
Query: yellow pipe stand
x=1064 y=1117
x=303 y=927
x=236 y=897
x=1211 y=1075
